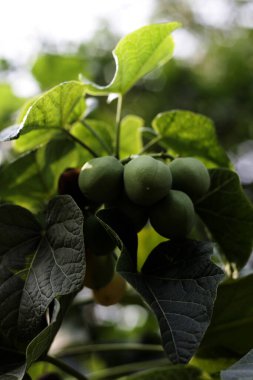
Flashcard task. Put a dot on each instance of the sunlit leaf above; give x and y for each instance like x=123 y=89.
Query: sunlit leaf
x=136 y=55
x=190 y=134
x=130 y=135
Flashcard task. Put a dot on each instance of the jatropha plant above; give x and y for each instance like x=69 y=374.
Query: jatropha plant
x=77 y=196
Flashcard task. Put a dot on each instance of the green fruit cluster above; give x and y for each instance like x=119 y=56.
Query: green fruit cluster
x=147 y=188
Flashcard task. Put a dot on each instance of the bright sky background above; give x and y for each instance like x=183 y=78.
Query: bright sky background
x=24 y=23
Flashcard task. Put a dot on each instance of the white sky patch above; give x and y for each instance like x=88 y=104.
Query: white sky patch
x=24 y=23
x=214 y=13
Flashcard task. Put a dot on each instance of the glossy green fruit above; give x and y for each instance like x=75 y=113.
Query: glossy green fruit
x=173 y=216
x=100 y=179
x=99 y=269
x=96 y=237
x=146 y=180
x=137 y=214
x=190 y=176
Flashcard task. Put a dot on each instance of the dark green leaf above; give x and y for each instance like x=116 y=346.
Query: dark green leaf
x=242 y=370
x=231 y=328
x=37 y=266
x=12 y=364
x=190 y=134
x=179 y=282
x=228 y=214
x=175 y=372
x=136 y=55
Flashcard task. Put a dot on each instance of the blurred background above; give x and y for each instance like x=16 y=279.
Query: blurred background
x=45 y=43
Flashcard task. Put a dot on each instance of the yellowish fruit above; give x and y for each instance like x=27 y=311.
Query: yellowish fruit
x=112 y=293
x=99 y=270
x=100 y=179
x=96 y=238
x=146 y=180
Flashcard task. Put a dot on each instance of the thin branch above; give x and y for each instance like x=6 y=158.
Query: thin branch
x=149 y=145
x=64 y=367
x=87 y=349
x=76 y=139
x=96 y=135
x=117 y=127
x=127 y=368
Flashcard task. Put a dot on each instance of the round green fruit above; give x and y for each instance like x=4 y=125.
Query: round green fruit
x=146 y=180
x=173 y=216
x=135 y=213
x=99 y=270
x=190 y=175
x=96 y=237
x=100 y=178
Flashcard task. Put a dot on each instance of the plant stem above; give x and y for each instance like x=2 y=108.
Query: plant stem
x=151 y=143
x=64 y=367
x=94 y=133
x=127 y=368
x=76 y=139
x=86 y=349
x=117 y=127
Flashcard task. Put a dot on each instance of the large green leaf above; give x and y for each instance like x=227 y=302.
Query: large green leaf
x=37 y=265
x=172 y=372
x=137 y=54
x=55 y=109
x=231 y=328
x=179 y=283
x=228 y=214
x=241 y=370
x=190 y=134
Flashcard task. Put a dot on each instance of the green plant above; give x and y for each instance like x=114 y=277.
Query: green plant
x=43 y=217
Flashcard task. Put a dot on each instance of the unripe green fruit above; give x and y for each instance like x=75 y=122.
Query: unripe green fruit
x=190 y=176
x=100 y=179
x=173 y=216
x=96 y=238
x=135 y=213
x=99 y=270
x=146 y=180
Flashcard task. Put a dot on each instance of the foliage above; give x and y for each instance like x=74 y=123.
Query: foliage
x=43 y=257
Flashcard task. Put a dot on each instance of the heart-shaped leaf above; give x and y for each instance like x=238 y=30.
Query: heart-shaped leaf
x=190 y=134
x=137 y=54
x=179 y=283
x=37 y=265
x=228 y=214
